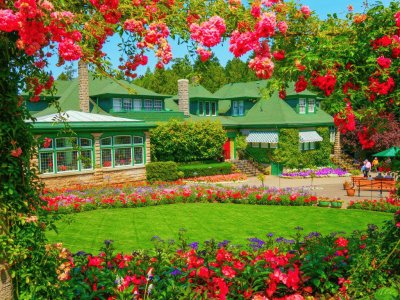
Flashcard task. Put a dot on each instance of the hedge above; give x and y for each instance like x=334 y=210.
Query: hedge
x=161 y=171
x=205 y=169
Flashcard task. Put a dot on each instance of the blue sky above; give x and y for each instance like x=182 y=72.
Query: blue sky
x=321 y=7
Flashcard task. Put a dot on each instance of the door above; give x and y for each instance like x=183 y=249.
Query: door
x=227 y=149
x=276 y=168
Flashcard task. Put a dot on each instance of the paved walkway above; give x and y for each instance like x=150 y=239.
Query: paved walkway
x=331 y=187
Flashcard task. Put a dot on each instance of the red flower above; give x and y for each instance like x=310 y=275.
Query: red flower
x=282 y=94
x=301 y=84
x=279 y=55
x=384 y=62
x=16 y=152
x=94 y=261
x=228 y=271
x=341 y=242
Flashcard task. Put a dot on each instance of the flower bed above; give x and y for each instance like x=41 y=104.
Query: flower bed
x=321 y=172
x=218 y=178
x=389 y=204
x=128 y=196
x=309 y=267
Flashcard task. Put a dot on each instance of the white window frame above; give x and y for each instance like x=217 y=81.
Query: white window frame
x=213 y=108
x=148 y=105
x=158 y=105
x=117 y=104
x=127 y=104
x=137 y=105
x=302 y=106
x=207 y=111
x=311 y=105
x=201 y=108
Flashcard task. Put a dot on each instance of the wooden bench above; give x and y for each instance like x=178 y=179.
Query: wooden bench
x=374 y=184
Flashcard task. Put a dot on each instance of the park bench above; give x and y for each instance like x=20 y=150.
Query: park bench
x=373 y=184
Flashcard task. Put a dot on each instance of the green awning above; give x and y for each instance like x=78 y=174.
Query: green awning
x=309 y=137
x=262 y=137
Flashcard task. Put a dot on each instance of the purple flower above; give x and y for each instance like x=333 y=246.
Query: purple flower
x=176 y=272
x=194 y=245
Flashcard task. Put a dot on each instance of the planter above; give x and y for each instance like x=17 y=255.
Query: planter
x=350 y=192
x=324 y=203
x=346 y=185
x=336 y=204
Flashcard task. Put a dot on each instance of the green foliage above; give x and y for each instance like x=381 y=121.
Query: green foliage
x=205 y=169
x=22 y=219
x=187 y=141
x=260 y=155
x=288 y=152
x=290 y=156
x=161 y=171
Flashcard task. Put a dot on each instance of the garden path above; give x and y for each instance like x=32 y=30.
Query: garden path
x=331 y=187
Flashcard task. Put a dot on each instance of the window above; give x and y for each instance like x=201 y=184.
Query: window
x=213 y=108
x=66 y=154
x=207 y=108
x=127 y=104
x=264 y=145
x=137 y=104
x=237 y=108
x=122 y=150
x=148 y=105
x=302 y=106
x=117 y=105
x=311 y=105
x=201 y=108
x=157 y=105
x=241 y=108
x=273 y=145
x=307 y=146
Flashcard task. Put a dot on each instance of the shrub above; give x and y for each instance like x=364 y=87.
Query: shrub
x=205 y=169
x=187 y=141
x=162 y=171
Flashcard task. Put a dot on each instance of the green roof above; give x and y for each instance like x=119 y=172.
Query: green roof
x=241 y=90
x=197 y=91
x=265 y=113
x=68 y=93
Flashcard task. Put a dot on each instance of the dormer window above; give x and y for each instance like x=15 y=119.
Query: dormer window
x=238 y=108
x=157 y=105
x=117 y=105
x=127 y=104
x=148 y=105
x=207 y=108
x=137 y=104
x=302 y=106
x=311 y=105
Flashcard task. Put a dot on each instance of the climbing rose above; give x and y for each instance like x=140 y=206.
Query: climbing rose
x=16 y=152
x=384 y=62
x=282 y=26
x=209 y=33
x=301 y=84
x=263 y=66
x=306 y=11
x=279 y=55
x=241 y=43
x=204 y=54
x=8 y=21
x=69 y=50
x=266 y=26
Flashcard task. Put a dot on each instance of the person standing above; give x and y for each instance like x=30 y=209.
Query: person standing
x=375 y=164
x=367 y=168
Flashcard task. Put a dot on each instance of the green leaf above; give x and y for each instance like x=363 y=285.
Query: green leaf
x=386 y=294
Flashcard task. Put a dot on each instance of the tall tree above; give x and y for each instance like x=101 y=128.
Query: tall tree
x=211 y=74
x=238 y=71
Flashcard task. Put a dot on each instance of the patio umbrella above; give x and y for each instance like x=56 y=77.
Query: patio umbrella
x=391 y=152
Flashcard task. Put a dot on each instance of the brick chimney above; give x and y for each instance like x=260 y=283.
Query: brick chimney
x=83 y=77
x=183 y=96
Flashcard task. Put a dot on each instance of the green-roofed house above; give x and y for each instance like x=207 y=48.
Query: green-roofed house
x=244 y=109
x=110 y=120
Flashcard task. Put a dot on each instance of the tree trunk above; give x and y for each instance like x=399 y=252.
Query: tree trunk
x=6 y=288
x=337 y=150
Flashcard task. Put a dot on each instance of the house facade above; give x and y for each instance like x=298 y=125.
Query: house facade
x=103 y=136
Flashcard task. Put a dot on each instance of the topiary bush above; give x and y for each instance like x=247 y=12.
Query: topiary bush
x=161 y=171
x=205 y=169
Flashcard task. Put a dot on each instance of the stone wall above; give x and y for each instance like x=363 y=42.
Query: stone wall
x=109 y=176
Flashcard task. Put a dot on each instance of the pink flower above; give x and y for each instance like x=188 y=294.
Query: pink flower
x=266 y=26
x=282 y=26
x=69 y=50
x=241 y=43
x=204 y=54
x=384 y=62
x=255 y=10
x=263 y=66
x=8 y=20
x=209 y=33
x=306 y=11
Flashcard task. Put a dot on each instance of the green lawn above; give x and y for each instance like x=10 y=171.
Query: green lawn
x=133 y=228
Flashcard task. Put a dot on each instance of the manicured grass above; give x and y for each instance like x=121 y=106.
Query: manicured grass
x=133 y=228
